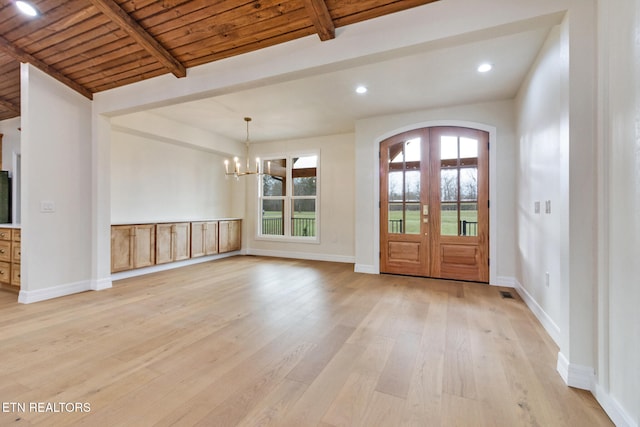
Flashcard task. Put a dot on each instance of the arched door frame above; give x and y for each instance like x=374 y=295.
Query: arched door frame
x=493 y=196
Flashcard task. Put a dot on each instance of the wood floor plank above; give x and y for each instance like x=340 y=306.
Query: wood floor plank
x=397 y=373
x=256 y=341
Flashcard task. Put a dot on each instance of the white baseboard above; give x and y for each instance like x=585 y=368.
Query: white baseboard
x=505 y=282
x=302 y=255
x=101 y=284
x=577 y=376
x=547 y=323
x=614 y=410
x=365 y=268
x=28 y=297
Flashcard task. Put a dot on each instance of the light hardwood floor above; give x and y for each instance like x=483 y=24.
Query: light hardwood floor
x=259 y=341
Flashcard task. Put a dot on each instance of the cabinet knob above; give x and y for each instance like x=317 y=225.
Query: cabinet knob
x=1 y=251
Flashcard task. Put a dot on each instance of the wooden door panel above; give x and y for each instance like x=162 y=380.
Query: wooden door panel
x=181 y=241
x=121 y=248
x=403 y=191
x=444 y=232
x=144 y=245
x=460 y=252
x=211 y=238
x=197 y=239
x=164 y=247
x=404 y=252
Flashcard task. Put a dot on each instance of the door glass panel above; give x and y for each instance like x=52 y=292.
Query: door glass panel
x=396 y=222
x=469 y=219
x=448 y=147
x=395 y=187
x=412 y=150
x=273 y=217
x=412 y=218
x=404 y=187
x=468 y=148
x=459 y=186
x=449 y=185
x=468 y=184
x=412 y=186
x=449 y=218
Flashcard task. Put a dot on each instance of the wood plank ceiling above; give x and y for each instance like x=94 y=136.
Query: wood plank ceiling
x=95 y=45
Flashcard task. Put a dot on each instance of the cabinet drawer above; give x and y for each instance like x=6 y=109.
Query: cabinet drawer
x=15 y=274
x=5 y=272
x=5 y=251
x=16 y=234
x=15 y=252
x=5 y=234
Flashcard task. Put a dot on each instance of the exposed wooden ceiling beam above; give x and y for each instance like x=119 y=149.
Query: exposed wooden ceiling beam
x=22 y=56
x=120 y=17
x=9 y=106
x=319 y=14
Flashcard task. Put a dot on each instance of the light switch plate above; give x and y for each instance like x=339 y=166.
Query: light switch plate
x=47 y=206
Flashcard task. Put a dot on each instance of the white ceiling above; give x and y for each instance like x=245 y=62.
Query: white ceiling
x=435 y=75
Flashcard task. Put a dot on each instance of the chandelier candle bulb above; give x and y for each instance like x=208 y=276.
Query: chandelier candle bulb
x=257 y=165
x=226 y=166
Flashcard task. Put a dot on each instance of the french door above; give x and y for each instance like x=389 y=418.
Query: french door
x=434 y=203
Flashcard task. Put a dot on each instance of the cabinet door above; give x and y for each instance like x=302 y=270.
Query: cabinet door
x=144 y=252
x=15 y=275
x=5 y=250
x=181 y=241
x=211 y=238
x=229 y=236
x=197 y=239
x=121 y=248
x=5 y=272
x=164 y=243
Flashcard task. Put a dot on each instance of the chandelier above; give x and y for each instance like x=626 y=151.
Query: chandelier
x=237 y=171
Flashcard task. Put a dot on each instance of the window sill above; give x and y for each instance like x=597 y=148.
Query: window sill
x=287 y=239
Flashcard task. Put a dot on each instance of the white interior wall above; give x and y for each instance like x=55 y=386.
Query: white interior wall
x=498 y=116
x=337 y=200
x=56 y=170
x=618 y=387
x=543 y=133
x=158 y=181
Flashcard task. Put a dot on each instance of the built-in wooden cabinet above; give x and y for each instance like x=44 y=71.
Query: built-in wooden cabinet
x=135 y=246
x=173 y=242
x=132 y=246
x=230 y=235
x=204 y=238
x=10 y=257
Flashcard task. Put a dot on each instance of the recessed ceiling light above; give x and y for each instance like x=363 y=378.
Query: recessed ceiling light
x=483 y=68
x=361 y=89
x=27 y=8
